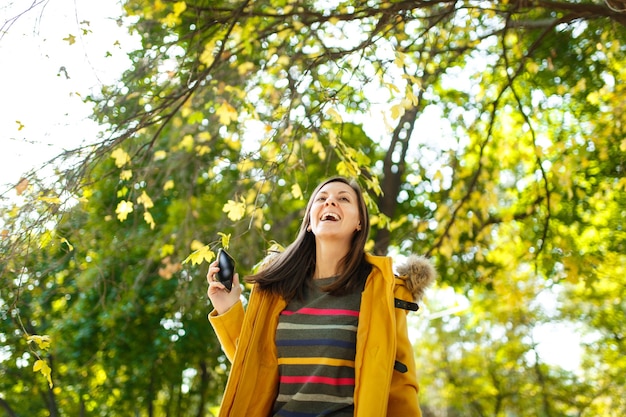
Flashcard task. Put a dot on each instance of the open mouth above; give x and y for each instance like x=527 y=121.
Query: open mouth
x=332 y=217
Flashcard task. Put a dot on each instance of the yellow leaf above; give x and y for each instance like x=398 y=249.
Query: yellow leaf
x=225 y=239
x=71 y=39
x=126 y=174
x=169 y=184
x=334 y=114
x=203 y=137
x=227 y=113
x=149 y=219
x=20 y=125
x=234 y=209
x=593 y=98
x=122 y=192
x=179 y=7
x=145 y=200
x=245 y=165
x=46 y=238
x=412 y=97
x=202 y=254
x=392 y=87
x=187 y=143
x=160 y=155
x=316 y=146
x=70 y=247
x=532 y=67
x=400 y=58
x=296 y=192
x=348 y=169
x=245 y=68
x=397 y=111
x=275 y=247
x=207 y=57
x=159 y=6
x=332 y=138
x=374 y=185
x=50 y=200
x=58 y=304
x=100 y=376
x=196 y=244
x=38 y=365
x=446 y=250
x=124 y=208
x=41 y=366
x=121 y=157
x=166 y=250
x=202 y=150
x=43 y=342
x=87 y=193
x=170 y=20
x=233 y=143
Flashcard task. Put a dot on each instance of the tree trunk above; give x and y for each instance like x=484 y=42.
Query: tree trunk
x=393 y=174
x=204 y=383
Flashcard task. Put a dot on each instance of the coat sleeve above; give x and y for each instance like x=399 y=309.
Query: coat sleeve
x=403 y=395
x=227 y=326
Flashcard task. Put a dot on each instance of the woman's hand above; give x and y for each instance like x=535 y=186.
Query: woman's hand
x=221 y=299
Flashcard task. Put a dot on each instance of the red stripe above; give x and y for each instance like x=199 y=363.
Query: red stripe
x=322 y=312
x=316 y=380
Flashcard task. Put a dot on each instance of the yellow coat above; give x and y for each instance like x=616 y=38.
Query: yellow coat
x=382 y=343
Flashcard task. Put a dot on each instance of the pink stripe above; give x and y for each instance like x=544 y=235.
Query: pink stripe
x=316 y=380
x=322 y=312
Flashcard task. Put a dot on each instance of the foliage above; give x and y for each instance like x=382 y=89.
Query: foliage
x=229 y=116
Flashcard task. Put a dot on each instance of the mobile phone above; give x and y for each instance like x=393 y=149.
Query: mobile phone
x=226 y=263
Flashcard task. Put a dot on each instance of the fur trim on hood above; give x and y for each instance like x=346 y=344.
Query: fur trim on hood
x=421 y=274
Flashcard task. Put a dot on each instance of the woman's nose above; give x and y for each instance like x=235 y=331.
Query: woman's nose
x=330 y=201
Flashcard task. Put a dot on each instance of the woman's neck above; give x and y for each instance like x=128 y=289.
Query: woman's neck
x=328 y=260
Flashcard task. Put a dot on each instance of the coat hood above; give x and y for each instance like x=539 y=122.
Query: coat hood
x=420 y=274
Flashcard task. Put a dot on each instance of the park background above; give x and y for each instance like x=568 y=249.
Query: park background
x=139 y=137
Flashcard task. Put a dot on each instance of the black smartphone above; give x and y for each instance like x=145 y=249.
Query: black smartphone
x=226 y=263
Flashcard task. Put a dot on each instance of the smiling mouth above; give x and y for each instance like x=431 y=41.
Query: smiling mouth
x=330 y=217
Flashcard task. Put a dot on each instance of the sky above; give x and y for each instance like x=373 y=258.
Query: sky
x=44 y=76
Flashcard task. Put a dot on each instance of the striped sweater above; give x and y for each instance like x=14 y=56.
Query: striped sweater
x=316 y=344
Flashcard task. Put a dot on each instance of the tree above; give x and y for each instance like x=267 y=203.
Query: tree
x=232 y=112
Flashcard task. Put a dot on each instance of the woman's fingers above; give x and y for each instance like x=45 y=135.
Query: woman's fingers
x=211 y=275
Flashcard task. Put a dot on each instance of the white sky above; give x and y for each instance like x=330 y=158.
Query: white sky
x=36 y=92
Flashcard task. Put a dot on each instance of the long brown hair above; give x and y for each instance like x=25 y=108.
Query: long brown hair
x=288 y=274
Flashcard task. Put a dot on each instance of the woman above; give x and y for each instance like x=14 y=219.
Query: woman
x=325 y=330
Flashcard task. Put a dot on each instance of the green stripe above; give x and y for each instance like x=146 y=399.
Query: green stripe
x=295 y=326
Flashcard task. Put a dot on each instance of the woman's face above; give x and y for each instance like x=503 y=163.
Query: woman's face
x=335 y=212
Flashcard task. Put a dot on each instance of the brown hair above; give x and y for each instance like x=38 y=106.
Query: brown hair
x=289 y=272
